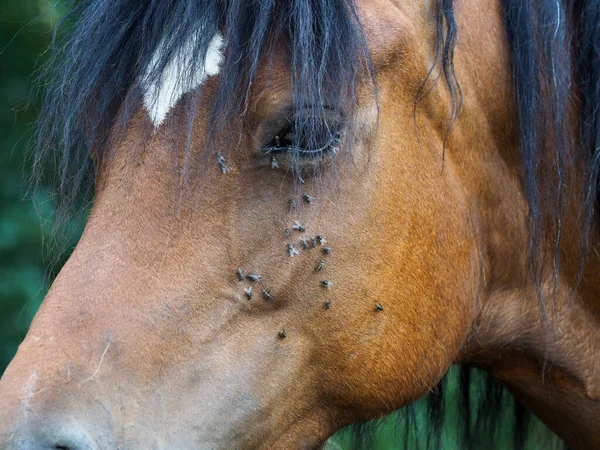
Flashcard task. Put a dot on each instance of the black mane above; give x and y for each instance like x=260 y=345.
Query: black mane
x=102 y=49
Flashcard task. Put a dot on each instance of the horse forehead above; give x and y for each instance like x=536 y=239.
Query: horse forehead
x=180 y=75
x=386 y=23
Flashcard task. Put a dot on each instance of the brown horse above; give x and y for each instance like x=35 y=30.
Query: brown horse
x=305 y=211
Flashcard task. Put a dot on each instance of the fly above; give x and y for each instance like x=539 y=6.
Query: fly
x=321 y=239
x=282 y=334
x=326 y=284
x=293 y=251
x=327 y=250
x=248 y=292
x=267 y=295
x=254 y=277
x=240 y=274
x=298 y=227
x=378 y=307
x=304 y=243
x=274 y=163
x=221 y=162
x=308 y=198
x=320 y=265
x=327 y=304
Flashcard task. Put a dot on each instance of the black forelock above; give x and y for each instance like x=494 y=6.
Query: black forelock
x=104 y=50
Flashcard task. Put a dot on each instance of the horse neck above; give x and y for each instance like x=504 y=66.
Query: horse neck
x=539 y=335
x=547 y=356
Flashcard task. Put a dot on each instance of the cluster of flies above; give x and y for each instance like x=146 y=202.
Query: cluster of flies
x=309 y=242
x=305 y=242
x=253 y=277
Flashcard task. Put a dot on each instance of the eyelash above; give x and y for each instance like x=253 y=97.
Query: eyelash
x=285 y=145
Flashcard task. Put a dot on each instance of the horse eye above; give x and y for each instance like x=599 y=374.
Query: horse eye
x=312 y=140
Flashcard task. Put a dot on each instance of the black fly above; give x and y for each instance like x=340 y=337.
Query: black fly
x=320 y=266
x=221 y=163
x=304 y=243
x=274 y=163
x=326 y=284
x=293 y=251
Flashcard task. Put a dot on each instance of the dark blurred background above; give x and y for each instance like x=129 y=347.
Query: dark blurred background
x=27 y=247
x=31 y=253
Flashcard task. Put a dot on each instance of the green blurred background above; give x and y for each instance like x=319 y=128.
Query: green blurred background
x=29 y=256
x=25 y=31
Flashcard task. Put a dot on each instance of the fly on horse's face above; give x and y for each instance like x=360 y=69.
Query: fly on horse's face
x=272 y=300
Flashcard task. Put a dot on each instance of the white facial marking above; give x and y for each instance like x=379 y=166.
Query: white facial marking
x=161 y=96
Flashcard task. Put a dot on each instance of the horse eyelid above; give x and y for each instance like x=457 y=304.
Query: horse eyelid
x=277 y=144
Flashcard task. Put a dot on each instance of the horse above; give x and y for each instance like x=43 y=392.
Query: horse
x=305 y=211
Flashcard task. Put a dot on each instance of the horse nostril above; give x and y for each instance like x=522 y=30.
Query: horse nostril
x=49 y=435
x=84 y=444
x=66 y=438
